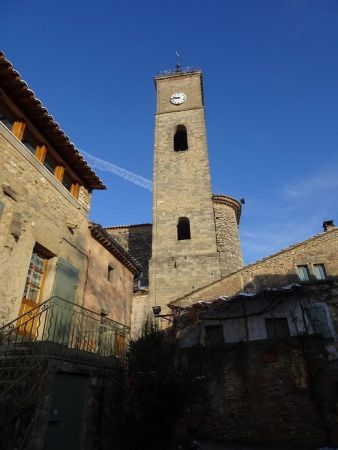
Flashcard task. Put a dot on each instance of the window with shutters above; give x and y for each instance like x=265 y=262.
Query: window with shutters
x=28 y=137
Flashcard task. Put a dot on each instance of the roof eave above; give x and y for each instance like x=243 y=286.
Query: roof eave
x=26 y=99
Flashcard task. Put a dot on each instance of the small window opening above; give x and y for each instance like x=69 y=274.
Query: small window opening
x=319 y=270
x=29 y=141
x=183 y=229
x=303 y=273
x=50 y=163
x=180 y=139
x=110 y=274
x=67 y=181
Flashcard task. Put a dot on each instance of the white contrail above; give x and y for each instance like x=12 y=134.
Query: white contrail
x=97 y=163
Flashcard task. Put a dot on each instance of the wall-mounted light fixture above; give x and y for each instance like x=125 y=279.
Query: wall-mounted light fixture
x=157 y=310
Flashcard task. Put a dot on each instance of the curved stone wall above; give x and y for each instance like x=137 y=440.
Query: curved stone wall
x=227 y=216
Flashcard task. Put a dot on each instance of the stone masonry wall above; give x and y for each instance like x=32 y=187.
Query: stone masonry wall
x=268 y=393
x=140 y=313
x=136 y=240
x=275 y=270
x=36 y=210
x=181 y=189
x=227 y=238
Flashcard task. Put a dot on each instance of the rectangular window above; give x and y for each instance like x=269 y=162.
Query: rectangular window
x=67 y=181
x=277 y=328
x=29 y=141
x=214 y=335
x=50 y=163
x=110 y=274
x=303 y=273
x=35 y=277
x=319 y=271
x=318 y=320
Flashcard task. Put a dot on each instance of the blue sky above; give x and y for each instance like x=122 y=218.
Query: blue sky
x=271 y=93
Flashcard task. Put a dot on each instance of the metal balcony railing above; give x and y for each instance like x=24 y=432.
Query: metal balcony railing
x=57 y=325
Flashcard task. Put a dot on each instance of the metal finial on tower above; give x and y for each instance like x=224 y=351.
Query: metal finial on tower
x=178 y=65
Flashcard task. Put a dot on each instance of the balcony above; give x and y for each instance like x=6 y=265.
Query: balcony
x=65 y=330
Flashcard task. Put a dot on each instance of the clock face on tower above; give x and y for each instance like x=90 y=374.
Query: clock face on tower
x=178 y=98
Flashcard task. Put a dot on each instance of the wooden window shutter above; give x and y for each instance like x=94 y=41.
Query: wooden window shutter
x=59 y=171
x=75 y=190
x=40 y=153
x=18 y=129
x=66 y=280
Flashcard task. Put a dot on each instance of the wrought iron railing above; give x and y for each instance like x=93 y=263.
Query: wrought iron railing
x=58 y=325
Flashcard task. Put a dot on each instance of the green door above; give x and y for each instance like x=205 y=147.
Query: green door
x=66 y=421
x=61 y=314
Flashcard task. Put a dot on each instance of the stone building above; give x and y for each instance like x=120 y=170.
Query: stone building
x=73 y=288
x=267 y=352
x=46 y=239
x=192 y=250
x=66 y=285
x=194 y=239
x=314 y=259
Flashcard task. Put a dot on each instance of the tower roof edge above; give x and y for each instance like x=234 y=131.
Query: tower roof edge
x=184 y=71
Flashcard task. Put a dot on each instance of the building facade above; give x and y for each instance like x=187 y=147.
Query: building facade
x=66 y=285
x=46 y=239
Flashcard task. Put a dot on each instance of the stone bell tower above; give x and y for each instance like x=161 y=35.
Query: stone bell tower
x=185 y=253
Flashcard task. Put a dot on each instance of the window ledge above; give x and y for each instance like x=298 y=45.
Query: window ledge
x=20 y=147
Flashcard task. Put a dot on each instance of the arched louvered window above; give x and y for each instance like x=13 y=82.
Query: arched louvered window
x=180 y=139
x=183 y=229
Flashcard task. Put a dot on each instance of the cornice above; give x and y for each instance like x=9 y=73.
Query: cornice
x=229 y=201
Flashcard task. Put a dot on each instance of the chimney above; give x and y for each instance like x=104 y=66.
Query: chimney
x=328 y=225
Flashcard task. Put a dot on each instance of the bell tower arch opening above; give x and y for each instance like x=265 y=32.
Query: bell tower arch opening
x=181 y=138
x=183 y=229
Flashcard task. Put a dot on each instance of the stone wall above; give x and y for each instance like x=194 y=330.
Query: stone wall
x=182 y=189
x=95 y=407
x=37 y=209
x=112 y=296
x=136 y=240
x=227 y=235
x=140 y=312
x=269 y=393
x=275 y=270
